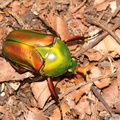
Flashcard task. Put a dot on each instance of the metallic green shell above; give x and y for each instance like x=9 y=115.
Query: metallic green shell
x=39 y=52
x=57 y=59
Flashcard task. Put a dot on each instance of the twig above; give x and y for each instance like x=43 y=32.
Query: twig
x=104 y=27
x=115 y=13
x=80 y=6
x=5 y=3
x=18 y=19
x=92 y=44
x=97 y=94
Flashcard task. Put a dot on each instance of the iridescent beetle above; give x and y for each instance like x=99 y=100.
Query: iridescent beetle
x=40 y=53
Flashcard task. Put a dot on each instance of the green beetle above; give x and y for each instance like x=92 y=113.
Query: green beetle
x=41 y=53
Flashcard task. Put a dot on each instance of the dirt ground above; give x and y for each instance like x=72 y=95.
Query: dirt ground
x=95 y=96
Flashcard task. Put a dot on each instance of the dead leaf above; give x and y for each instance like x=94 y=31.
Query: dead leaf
x=15 y=85
x=22 y=11
x=1 y=17
x=28 y=3
x=35 y=114
x=56 y=113
x=95 y=72
x=58 y=24
x=98 y=1
x=102 y=6
x=115 y=117
x=15 y=6
x=117 y=107
x=41 y=92
x=7 y=116
x=2 y=33
x=83 y=90
x=83 y=107
x=113 y=6
x=110 y=95
x=93 y=55
x=7 y=72
x=109 y=45
x=103 y=83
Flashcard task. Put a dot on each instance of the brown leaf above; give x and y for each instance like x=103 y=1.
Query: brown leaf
x=56 y=113
x=103 y=83
x=2 y=33
x=109 y=44
x=117 y=107
x=93 y=55
x=110 y=94
x=7 y=72
x=41 y=92
x=83 y=90
x=102 y=6
x=7 y=116
x=35 y=114
x=83 y=106
x=99 y=1
x=1 y=17
x=15 y=6
x=95 y=72
x=58 y=24
x=113 y=6
x=28 y=3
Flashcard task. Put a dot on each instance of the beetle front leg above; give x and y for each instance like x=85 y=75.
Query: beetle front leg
x=73 y=38
x=52 y=89
x=83 y=70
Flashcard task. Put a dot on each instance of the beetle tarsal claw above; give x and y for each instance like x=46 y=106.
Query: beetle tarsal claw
x=83 y=70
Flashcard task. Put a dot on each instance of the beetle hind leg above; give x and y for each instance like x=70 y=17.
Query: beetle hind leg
x=52 y=89
x=18 y=68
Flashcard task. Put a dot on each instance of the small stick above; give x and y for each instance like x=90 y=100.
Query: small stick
x=104 y=27
x=97 y=94
x=92 y=44
x=18 y=19
x=80 y=6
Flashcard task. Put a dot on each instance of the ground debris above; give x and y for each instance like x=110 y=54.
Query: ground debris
x=98 y=25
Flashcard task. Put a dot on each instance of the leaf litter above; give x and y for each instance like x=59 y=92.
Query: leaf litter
x=98 y=46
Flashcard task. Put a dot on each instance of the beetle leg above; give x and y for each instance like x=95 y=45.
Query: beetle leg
x=83 y=70
x=73 y=38
x=52 y=88
x=19 y=69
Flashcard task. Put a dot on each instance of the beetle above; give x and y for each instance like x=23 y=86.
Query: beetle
x=39 y=52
